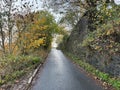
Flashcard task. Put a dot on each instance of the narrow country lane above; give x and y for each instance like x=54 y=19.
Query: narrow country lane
x=59 y=73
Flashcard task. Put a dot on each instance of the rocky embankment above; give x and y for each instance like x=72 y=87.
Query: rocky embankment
x=103 y=61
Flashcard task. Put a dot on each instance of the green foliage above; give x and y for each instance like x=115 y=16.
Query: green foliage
x=89 y=38
x=36 y=60
x=70 y=18
x=13 y=76
x=108 y=12
x=104 y=39
x=64 y=41
x=103 y=76
x=13 y=67
x=106 y=36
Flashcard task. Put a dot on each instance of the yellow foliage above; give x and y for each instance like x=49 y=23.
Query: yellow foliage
x=97 y=47
x=109 y=32
x=36 y=43
x=35 y=32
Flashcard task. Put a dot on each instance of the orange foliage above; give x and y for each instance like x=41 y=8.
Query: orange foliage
x=33 y=37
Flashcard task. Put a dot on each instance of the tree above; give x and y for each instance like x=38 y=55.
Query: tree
x=8 y=31
x=2 y=33
x=69 y=9
x=6 y=23
x=39 y=29
x=74 y=9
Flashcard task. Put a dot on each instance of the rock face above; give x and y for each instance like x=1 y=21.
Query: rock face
x=77 y=36
x=114 y=67
x=103 y=62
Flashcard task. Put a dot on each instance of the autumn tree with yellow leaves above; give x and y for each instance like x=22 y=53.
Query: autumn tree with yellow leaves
x=35 y=30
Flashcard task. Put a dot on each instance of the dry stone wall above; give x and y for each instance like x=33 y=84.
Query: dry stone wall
x=103 y=62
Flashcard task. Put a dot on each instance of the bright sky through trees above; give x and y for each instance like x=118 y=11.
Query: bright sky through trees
x=38 y=5
x=117 y=1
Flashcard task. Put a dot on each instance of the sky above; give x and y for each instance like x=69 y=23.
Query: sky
x=117 y=1
x=38 y=5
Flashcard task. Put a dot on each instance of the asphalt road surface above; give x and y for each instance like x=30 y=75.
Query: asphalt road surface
x=59 y=73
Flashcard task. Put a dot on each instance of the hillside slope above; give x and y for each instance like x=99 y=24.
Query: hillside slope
x=100 y=48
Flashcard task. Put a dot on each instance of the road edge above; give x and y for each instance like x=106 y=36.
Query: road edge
x=32 y=77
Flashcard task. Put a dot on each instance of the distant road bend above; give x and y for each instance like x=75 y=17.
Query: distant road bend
x=59 y=73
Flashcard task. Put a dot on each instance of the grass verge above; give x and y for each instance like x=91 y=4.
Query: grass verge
x=113 y=81
x=12 y=67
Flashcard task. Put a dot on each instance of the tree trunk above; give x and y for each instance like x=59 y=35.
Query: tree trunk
x=2 y=33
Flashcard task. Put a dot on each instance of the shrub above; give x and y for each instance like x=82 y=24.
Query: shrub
x=13 y=67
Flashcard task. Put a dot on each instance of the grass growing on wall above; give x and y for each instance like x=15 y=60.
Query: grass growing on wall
x=115 y=82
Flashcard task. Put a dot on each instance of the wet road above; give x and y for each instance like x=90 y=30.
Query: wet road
x=59 y=73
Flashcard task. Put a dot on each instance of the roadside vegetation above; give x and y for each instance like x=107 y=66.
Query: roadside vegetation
x=101 y=38
x=105 y=38
x=107 y=79
x=14 y=67
x=25 y=39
